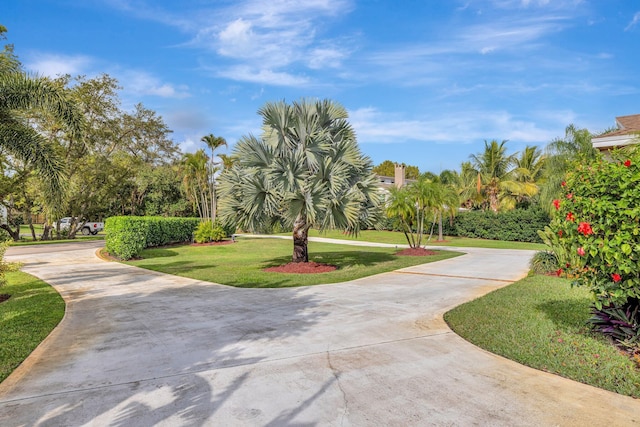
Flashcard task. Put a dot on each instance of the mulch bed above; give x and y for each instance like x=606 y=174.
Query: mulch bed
x=416 y=252
x=4 y=297
x=302 y=268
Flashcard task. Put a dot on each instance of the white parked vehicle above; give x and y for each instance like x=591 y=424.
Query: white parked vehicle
x=89 y=227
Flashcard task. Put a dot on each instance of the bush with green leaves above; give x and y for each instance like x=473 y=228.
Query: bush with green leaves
x=595 y=232
x=518 y=225
x=544 y=262
x=127 y=236
x=6 y=267
x=209 y=231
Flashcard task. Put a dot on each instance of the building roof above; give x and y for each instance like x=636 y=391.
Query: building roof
x=627 y=132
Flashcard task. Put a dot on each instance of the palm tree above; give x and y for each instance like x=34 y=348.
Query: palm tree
x=213 y=142
x=22 y=94
x=195 y=181
x=306 y=170
x=528 y=173
x=493 y=166
x=560 y=153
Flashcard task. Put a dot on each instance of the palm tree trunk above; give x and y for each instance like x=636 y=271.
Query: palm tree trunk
x=440 y=236
x=300 y=240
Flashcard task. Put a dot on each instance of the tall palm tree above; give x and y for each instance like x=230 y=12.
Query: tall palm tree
x=305 y=169
x=493 y=166
x=213 y=142
x=528 y=173
x=21 y=94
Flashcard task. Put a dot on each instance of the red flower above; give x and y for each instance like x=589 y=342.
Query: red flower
x=563 y=183
x=570 y=196
x=627 y=163
x=559 y=272
x=616 y=277
x=581 y=251
x=570 y=217
x=556 y=204
x=585 y=228
x=560 y=233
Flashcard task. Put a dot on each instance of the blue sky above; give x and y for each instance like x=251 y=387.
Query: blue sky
x=425 y=81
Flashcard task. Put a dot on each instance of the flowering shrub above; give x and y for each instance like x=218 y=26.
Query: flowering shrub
x=597 y=227
x=595 y=232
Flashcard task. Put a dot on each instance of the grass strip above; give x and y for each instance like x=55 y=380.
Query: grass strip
x=397 y=238
x=541 y=322
x=241 y=264
x=33 y=310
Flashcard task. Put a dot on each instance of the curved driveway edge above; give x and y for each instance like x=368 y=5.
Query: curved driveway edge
x=142 y=348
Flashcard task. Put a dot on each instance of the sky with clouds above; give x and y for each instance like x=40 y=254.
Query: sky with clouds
x=425 y=82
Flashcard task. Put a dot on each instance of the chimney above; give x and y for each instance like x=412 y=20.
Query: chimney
x=399 y=175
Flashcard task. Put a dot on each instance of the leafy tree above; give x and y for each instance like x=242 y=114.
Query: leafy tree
x=306 y=169
x=493 y=166
x=388 y=168
x=195 y=181
x=528 y=173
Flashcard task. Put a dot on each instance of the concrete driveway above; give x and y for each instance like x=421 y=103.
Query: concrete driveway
x=138 y=348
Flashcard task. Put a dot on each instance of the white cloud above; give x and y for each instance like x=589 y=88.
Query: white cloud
x=373 y=126
x=52 y=65
x=144 y=83
x=634 y=21
x=262 y=76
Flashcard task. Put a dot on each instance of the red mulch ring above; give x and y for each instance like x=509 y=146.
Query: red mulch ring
x=416 y=252
x=222 y=242
x=302 y=268
x=4 y=297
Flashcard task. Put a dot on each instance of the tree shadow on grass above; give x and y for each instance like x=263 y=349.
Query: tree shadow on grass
x=341 y=259
x=567 y=313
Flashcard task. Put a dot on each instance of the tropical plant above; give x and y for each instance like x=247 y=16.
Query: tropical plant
x=195 y=182
x=544 y=262
x=560 y=154
x=6 y=267
x=213 y=142
x=306 y=169
x=595 y=229
x=208 y=231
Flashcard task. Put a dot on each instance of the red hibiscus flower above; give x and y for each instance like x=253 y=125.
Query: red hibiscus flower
x=627 y=163
x=563 y=183
x=570 y=217
x=616 y=277
x=559 y=272
x=556 y=204
x=585 y=228
x=581 y=251
x=570 y=196
x=560 y=233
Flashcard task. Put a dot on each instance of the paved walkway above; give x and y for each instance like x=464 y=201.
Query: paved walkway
x=138 y=348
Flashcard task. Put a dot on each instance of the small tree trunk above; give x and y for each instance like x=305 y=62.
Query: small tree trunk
x=300 y=240
x=14 y=234
x=46 y=231
x=440 y=236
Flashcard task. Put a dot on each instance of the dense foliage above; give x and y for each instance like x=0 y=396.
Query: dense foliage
x=596 y=231
x=127 y=236
x=208 y=231
x=519 y=225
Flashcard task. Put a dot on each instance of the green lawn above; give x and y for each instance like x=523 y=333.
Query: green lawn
x=397 y=238
x=26 y=318
x=240 y=264
x=541 y=322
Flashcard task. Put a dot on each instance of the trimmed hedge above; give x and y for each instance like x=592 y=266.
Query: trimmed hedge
x=127 y=236
x=519 y=225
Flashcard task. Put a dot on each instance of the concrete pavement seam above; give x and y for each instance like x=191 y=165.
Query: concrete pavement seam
x=452 y=276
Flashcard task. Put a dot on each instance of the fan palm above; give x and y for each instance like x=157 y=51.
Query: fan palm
x=21 y=94
x=306 y=170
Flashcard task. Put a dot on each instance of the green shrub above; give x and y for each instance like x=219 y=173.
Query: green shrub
x=597 y=224
x=518 y=225
x=209 y=232
x=127 y=236
x=544 y=262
